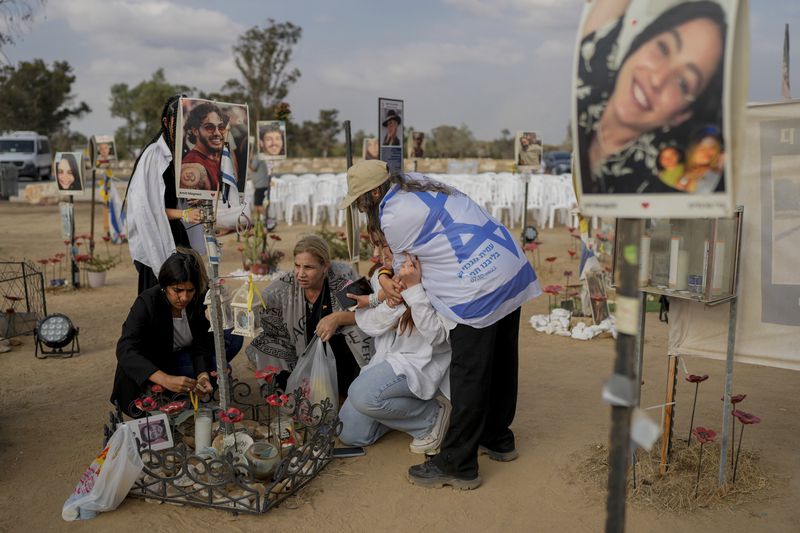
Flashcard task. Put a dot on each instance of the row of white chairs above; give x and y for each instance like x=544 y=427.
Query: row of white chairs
x=314 y=198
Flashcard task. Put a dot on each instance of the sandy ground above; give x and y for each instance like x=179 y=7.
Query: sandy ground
x=52 y=413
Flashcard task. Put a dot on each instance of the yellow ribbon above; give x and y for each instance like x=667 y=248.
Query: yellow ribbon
x=194 y=399
x=250 y=291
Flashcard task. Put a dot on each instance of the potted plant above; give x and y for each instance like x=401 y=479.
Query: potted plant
x=96 y=268
x=259 y=254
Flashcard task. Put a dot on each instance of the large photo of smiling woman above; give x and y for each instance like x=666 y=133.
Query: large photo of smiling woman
x=650 y=113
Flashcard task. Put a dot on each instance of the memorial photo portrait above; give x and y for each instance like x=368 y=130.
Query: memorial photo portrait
x=68 y=170
x=650 y=97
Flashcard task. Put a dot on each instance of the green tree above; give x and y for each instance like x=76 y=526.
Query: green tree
x=67 y=140
x=449 y=141
x=35 y=97
x=16 y=16
x=140 y=107
x=262 y=55
x=316 y=138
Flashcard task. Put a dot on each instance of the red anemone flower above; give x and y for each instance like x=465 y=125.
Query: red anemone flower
x=174 y=407
x=43 y=261
x=231 y=415
x=106 y=238
x=736 y=398
x=145 y=404
x=60 y=254
x=571 y=253
x=567 y=273
x=550 y=259
x=275 y=237
x=553 y=289
x=704 y=435
x=530 y=247
x=276 y=400
x=157 y=388
x=746 y=418
x=267 y=373
x=66 y=241
x=694 y=378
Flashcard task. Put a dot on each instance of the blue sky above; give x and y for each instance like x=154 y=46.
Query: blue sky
x=489 y=64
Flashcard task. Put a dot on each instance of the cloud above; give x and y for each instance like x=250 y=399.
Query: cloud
x=420 y=61
x=544 y=14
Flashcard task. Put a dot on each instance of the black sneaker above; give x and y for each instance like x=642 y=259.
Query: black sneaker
x=502 y=457
x=429 y=475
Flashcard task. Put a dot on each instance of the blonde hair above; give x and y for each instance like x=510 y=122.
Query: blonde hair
x=314 y=245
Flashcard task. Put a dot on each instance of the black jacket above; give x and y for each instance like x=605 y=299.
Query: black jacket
x=145 y=345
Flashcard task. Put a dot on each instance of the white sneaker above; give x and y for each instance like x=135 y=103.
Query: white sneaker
x=431 y=441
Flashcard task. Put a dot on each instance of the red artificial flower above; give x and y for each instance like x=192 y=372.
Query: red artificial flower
x=567 y=273
x=571 y=253
x=66 y=241
x=704 y=435
x=106 y=238
x=275 y=237
x=599 y=298
x=570 y=229
x=551 y=259
x=145 y=404
x=157 y=388
x=553 y=289
x=530 y=247
x=55 y=260
x=60 y=254
x=81 y=258
x=746 y=418
x=277 y=400
x=694 y=378
x=43 y=261
x=231 y=416
x=174 y=407
x=736 y=398
x=267 y=373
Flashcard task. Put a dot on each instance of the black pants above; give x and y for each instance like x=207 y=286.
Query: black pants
x=483 y=388
x=147 y=278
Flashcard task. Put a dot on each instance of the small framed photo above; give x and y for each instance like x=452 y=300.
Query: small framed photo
x=154 y=430
x=68 y=169
x=104 y=149
x=271 y=139
x=370 y=148
x=528 y=151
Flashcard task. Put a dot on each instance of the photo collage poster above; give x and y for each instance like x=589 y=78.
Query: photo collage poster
x=528 y=151
x=208 y=132
x=68 y=170
x=654 y=106
x=390 y=122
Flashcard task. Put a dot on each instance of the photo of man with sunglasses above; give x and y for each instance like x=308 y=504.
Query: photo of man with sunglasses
x=205 y=130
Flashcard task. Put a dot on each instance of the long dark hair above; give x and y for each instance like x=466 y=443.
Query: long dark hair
x=74 y=168
x=371 y=206
x=707 y=106
x=169 y=119
x=185 y=265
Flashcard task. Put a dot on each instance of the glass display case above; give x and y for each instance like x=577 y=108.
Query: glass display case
x=695 y=259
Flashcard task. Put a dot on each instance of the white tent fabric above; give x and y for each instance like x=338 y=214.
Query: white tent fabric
x=768 y=325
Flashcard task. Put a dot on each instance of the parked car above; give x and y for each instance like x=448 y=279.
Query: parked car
x=558 y=162
x=29 y=152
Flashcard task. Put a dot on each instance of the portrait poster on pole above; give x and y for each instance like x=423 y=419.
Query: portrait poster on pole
x=104 y=149
x=528 y=151
x=416 y=145
x=207 y=134
x=390 y=126
x=271 y=140
x=370 y=149
x=657 y=106
x=68 y=170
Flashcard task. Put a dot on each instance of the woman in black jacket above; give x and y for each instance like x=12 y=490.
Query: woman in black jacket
x=165 y=339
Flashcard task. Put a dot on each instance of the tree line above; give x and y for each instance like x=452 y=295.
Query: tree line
x=37 y=96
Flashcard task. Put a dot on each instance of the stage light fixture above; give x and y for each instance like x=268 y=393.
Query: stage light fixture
x=55 y=332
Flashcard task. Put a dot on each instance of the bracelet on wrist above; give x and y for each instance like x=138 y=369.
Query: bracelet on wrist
x=373 y=300
x=185 y=215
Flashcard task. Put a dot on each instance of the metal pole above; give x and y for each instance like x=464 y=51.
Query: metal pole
x=726 y=399
x=624 y=390
x=640 y=345
x=91 y=213
x=76 y=273
x=351 y=213
x=212 y=268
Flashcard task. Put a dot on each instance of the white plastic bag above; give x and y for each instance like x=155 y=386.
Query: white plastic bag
x=108 y=479
x=315 y=374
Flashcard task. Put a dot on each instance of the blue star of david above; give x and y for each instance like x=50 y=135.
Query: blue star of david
x=477 y=234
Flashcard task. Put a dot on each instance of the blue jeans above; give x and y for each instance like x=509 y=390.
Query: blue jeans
x=379 y=401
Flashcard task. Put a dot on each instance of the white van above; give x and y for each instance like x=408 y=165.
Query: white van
x=28 y=151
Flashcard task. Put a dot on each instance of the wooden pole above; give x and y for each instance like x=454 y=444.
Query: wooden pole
x=669 y=414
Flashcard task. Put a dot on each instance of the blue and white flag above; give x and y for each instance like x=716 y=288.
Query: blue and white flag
x=116 y=216
x=228 y=174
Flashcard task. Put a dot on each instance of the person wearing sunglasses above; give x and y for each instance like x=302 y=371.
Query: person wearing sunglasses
x=205 y=129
